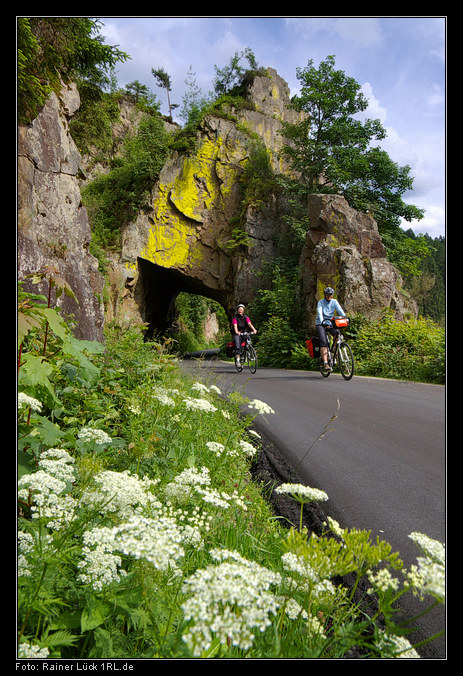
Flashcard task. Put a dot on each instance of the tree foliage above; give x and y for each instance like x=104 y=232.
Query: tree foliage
x=53 y=50
x=332 y=149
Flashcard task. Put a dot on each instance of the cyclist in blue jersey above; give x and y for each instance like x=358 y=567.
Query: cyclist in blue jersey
x=327 y=307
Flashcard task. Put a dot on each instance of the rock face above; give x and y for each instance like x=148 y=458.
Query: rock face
x=194 y=233
x=344 y=250
x=183 y=239
x=53 y=228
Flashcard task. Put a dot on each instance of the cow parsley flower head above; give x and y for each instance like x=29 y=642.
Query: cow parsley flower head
x=215 y=447
x=121 y=493
x=260 y=406
x=248 y=449
x=382 y=581
x=27 y=651
x=229 y=601
x=25 y=401
x=428 y=578
x=396 y=647
x=46 y=491
x=92 y=435
x=158 y=541
x=199 y=405
x=200 y=387
x=302 y=493
x=184 y=484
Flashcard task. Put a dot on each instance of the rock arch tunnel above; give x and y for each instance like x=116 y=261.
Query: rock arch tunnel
x=158 y=287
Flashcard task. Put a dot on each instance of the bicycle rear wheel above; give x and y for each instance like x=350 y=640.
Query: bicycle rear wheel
x=251 y=359
x=346 y=361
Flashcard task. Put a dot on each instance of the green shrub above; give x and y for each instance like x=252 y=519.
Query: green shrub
x=413 y=349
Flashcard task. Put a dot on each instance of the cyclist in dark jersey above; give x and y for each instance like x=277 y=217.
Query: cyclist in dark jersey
x=240 y=324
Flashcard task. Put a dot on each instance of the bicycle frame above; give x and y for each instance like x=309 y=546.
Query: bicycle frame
x=339 y=354
x=249 y=354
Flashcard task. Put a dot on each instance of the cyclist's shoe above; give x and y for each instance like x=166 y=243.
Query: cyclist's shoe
x=238 y=361
x=327 y=367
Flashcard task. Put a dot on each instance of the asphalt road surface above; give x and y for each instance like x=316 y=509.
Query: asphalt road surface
x=382 y=460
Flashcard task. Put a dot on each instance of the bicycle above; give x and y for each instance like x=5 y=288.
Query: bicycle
x=248 y=356
x=339 y=353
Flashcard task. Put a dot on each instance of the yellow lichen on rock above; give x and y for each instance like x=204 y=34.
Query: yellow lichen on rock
x=171 y=238
x=195 y=188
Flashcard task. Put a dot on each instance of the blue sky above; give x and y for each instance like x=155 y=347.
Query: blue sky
x=399 y=61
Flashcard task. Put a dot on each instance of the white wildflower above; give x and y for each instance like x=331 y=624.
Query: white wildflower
x=100 y=566
x=229 y=601
x=46 y=493
x=248 y=449
x=214 y=388
x=199 y=387
x=183 y=485
x=25 y=401
x=199 y=405
x=254 y=434
x=315 y=627
x=215 y=447
x=226 y=415
x=335 y=527
x=260 y=406
x=292 y=608
x=96 y=436
x=432 y=549
x=382 y=581
x=163 y=399
x=391 y=645
x=31 y=548
x=26 y=651
x=56 y=462
x=121 y=493
x=158 y=541
x=429 y=576
x=302 y=493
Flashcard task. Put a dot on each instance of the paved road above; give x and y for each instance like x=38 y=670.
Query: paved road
x=382 y=462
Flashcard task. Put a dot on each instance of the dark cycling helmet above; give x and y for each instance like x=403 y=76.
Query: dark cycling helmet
x=328 y=291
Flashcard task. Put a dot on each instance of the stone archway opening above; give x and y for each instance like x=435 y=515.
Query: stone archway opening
x=157 y=290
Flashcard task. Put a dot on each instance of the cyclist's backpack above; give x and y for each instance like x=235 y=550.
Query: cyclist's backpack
x=230 y=349
x=313 y=347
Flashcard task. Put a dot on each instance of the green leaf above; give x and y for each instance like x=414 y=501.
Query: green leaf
x=25 y=324
x=92 y=617
x=26 y=464
x=35 y=373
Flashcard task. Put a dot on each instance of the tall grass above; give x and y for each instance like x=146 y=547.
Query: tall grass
x=142 y=534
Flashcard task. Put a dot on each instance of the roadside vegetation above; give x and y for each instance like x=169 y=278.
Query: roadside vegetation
x=143 y=535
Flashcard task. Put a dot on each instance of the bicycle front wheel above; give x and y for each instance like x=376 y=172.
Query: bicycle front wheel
x=251 y=359
x=346 y=361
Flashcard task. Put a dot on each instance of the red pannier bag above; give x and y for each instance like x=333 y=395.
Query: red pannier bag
x=230 y=349
x=313 y=347
x=341 y=322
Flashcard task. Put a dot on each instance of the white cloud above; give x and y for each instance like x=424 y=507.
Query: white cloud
x=433 y=222
x=374 y=110
x=363 y=31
